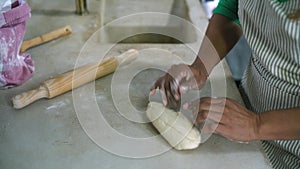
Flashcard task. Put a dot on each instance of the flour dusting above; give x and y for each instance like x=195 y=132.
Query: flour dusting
x=58 y=104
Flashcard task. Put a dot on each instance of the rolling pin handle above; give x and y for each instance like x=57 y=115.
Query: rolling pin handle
x=24 y=99
x=127 y=56
x=66 y=30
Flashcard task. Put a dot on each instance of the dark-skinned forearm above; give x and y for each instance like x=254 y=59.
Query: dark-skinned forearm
x=221 y=35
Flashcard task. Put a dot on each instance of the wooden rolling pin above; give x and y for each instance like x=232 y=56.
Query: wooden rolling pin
x=66 y=30
x=73 y=79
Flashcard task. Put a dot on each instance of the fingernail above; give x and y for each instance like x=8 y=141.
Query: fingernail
x=152 y=92
x=177 y=97
x=165 y=102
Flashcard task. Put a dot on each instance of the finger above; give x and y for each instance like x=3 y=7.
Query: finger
x=172 y=102
x=175 y=90
x=194 y=117
x=152 y=92
x=213 y=116
x=157 y=84
x=232 y=103
x=209 y=128
x=219 y=100
x=201 y=117
x=163 y=94
x=209 y=115
x=210 y=106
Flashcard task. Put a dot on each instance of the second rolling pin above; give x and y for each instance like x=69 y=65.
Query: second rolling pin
x=66 y=30
x=67 y=81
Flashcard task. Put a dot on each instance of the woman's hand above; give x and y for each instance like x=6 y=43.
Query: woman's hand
x=233 y=120
x=179 y=79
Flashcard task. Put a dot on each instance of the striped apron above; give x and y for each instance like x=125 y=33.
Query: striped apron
x=272 y=79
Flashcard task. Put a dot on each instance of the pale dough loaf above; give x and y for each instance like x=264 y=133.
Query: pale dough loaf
x=173 y=126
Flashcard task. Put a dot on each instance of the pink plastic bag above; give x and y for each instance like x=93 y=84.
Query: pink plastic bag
x=15 y=68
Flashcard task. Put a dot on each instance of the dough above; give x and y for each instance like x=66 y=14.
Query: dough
x=173 y=126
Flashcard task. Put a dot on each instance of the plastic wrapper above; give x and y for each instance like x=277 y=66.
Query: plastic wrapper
x=15 y=67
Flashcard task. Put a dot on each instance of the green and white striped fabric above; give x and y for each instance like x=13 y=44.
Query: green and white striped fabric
x=272 y=80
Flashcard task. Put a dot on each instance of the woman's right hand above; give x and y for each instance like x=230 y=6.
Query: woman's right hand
x=179 y=79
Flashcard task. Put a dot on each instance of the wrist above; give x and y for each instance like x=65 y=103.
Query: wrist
x=200 y=67
x=263 y=130
x=257 y=127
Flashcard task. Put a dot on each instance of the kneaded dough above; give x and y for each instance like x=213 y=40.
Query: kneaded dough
x=173 y=126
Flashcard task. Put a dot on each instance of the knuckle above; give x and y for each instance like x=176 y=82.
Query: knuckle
x=205 y=114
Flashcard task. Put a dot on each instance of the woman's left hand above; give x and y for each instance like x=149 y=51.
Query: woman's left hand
x=233 y=121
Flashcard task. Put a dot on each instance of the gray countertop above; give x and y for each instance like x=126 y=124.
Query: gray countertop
x=55 y=134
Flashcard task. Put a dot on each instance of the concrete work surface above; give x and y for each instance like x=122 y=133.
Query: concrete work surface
x=103 y=124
